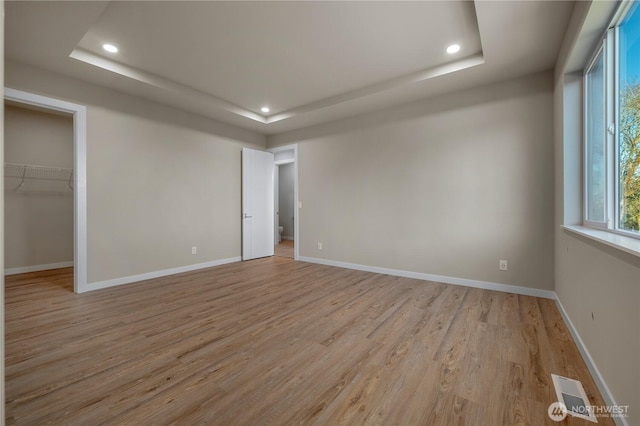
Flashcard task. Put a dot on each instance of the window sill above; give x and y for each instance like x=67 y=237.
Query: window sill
x=620 y=242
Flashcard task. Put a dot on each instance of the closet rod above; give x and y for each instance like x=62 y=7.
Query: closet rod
x=31 y=171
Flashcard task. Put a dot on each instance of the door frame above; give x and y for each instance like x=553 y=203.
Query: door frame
x=296 y=202
x=276 y=203
x=79 y=113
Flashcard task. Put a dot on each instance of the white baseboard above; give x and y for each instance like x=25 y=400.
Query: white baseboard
x=591 y=365
x=157 y=274
x=285 y=237
x=36 y=268
x=526 y=291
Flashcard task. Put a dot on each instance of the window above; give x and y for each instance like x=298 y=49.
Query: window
x=595 y=143
x=629 y=121
x=612 y=128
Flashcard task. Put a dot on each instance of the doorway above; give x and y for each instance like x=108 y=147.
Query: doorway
x=38 y=189
x=260 y=199
x=286 y=203
x=78 y=178
x=285 y=211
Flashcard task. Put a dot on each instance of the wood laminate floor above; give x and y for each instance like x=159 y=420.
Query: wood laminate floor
x=278 y=342
x=284 y=249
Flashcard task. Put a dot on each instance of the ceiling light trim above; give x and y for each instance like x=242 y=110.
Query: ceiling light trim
x=111 y=48
x=453 y=48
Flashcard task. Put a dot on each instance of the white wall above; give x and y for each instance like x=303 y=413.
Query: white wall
x=598 y=286
x=447 y=186
x=286 y=201
x=159 y=180
x=38 y=215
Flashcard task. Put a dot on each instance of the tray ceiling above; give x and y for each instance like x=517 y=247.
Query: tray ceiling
x=309 y=62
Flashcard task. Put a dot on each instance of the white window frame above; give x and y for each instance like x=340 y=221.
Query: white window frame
x=600 y=50
x=609 y=48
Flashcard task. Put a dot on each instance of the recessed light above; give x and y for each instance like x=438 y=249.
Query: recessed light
x=110 y=48
x=454 y=48
x=265 y=109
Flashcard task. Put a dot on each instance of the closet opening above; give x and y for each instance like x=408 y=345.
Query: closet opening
x=45 y=187
x=38 y=192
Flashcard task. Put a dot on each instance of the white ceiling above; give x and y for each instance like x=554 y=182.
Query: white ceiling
x=310 y=62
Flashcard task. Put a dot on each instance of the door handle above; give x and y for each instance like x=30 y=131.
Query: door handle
x=246 y=216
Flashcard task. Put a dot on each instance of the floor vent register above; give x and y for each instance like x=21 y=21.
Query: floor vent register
x=572 y=400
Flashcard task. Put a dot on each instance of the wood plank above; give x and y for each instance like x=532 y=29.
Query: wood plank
x=273 y=341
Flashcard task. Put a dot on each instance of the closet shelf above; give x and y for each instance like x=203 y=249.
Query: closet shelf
x=30 y=171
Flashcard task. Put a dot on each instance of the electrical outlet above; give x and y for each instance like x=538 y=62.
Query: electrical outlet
x=503 y=265
x=299 y=204
x=194 y=250
x=319 y=245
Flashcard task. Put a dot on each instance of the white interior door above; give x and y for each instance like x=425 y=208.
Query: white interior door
x=257 y=203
